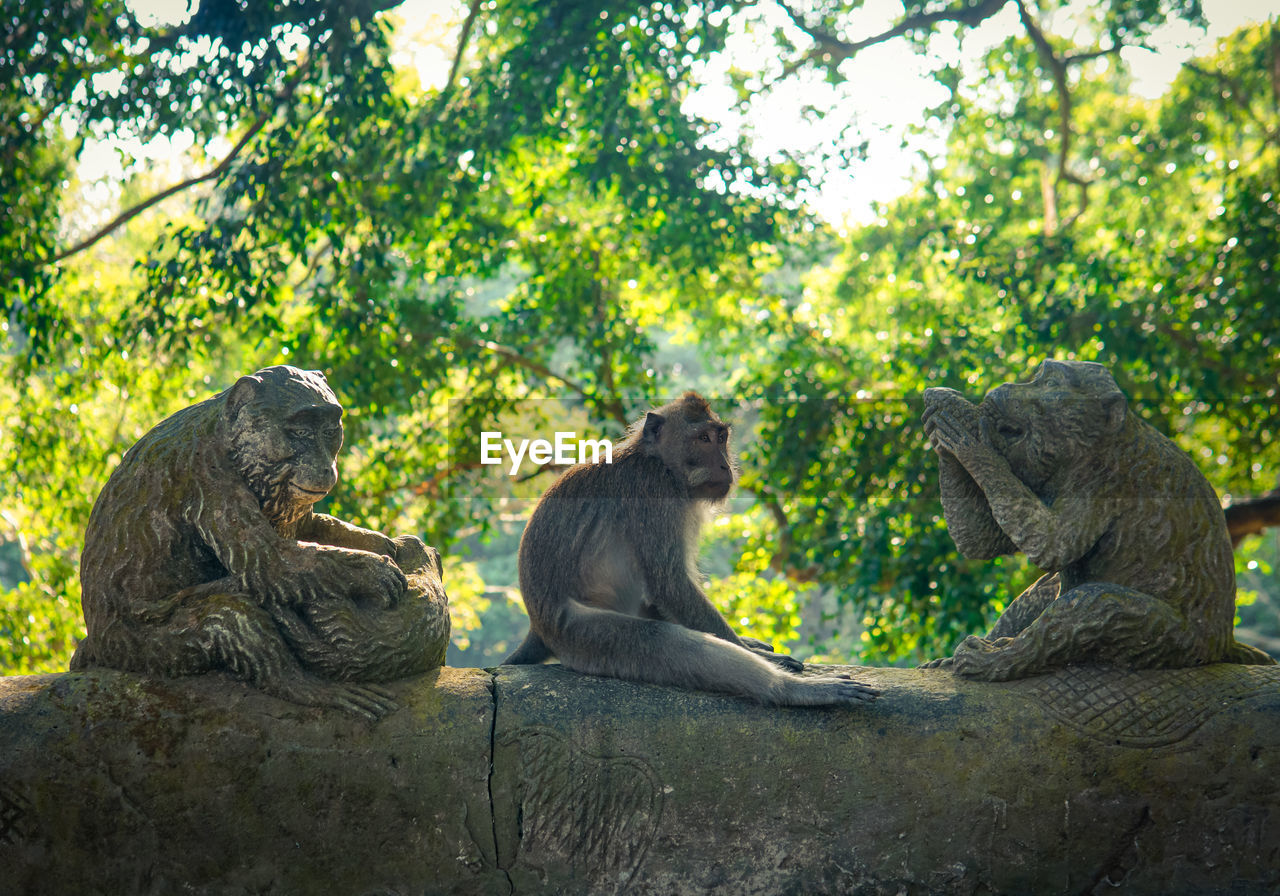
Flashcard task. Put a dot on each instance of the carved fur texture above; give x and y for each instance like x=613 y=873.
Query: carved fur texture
x=202 y=553
x=1131 y=535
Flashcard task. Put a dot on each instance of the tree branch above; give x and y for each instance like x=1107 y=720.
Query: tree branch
x=1252 y=516
x=778 y=559
x=431 y=486
x=832 y=45
x=464 y=38
x=520 y=360
x=1058 y=69
x=212 y=174
x=1090 y=55
x=599 y=299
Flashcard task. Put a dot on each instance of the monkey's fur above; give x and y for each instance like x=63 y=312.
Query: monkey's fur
x=202 y=553
x=607 y=570
x=1131 y=534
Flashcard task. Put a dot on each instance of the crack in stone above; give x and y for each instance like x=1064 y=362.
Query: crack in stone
x=493 y=744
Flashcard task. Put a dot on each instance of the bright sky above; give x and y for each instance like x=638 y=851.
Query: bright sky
x=886 y=87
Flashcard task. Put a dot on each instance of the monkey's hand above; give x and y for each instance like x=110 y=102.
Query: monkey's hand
x=847 y=691
x=765 y=650
x=783 y=660
x=412 y=555
x=369 y=701
x=961 y=437
x=947 y=408
x=370 y=577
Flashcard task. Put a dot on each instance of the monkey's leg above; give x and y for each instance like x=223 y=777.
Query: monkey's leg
x=761 y=648
x=601 y=642
x=1024 y=610
x=1098 y=622
x=686 y=605
x=210 y=631
x=1026 y=607
x=532 y=650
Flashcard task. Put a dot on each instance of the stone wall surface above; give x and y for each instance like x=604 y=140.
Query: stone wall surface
x=538 y=780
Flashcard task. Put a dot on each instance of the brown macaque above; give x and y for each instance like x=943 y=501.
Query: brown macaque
x=202 y=552
x=608 y=578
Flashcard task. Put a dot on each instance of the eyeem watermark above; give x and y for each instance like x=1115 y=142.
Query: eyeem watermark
x=566 y=448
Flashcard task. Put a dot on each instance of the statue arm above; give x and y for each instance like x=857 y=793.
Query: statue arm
x=408 y=551
x=324 y=529
x=969 y=519
x=278 y=571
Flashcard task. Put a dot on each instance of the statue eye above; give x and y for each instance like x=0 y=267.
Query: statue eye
x=297 y=433
x=1008 y=431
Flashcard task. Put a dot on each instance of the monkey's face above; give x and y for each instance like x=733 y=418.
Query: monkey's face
x=707 y=465
x=1047 y=425
x=284 y=440
x=692 y=443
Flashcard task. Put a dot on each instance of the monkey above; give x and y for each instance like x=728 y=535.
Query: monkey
x=203 y=553
x=1138 y=562
x=606 y=569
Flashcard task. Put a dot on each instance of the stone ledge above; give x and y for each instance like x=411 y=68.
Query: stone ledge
x=538 y=780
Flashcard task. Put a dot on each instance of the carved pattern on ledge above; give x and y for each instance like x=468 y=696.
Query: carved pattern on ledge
x=13 y=812
x=592 y=815
x=1151 y=708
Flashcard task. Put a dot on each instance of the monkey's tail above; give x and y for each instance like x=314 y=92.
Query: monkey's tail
x=531 y=652
x=82 y=658
x=1247 y=655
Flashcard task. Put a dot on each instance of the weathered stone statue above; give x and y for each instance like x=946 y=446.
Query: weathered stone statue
x=203 y=553
x=1131 y=534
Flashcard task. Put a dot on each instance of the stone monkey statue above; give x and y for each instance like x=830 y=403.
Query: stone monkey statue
x=1131 y=534
x=607 y=570
x=202 y=553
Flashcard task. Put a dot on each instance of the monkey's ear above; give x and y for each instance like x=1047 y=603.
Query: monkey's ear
x=243 y=392
x=1114 y=408
x=652 y=427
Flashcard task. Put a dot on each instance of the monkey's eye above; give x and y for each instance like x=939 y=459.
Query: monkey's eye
x=704 y=438
x=723 y=436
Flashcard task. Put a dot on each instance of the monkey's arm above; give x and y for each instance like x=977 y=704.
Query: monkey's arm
x=324 y=529
x=675 y=596
x=278 y=571
x=1052 y=537
x=969 y=519
x=408 y=551
x=685 y=603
